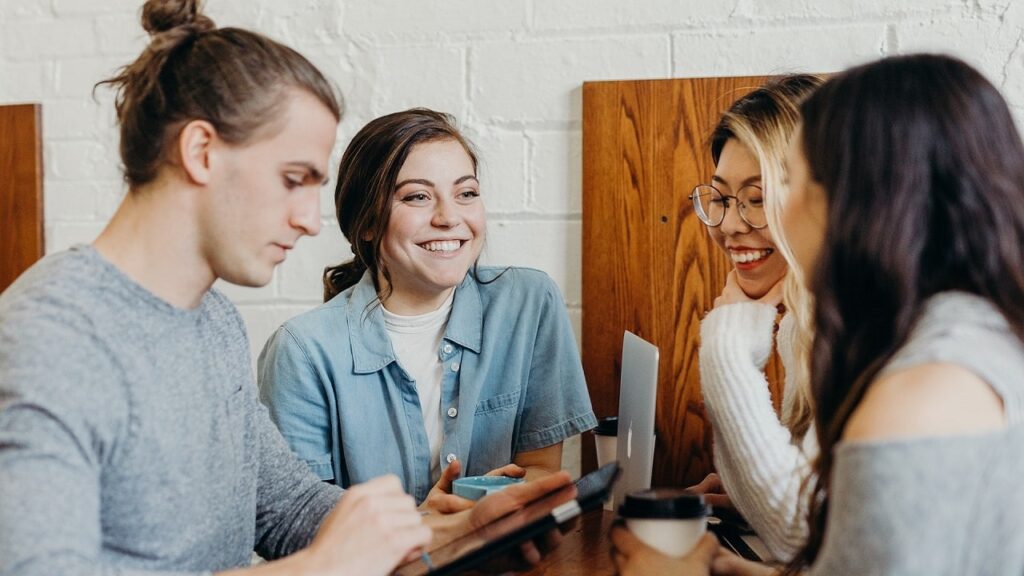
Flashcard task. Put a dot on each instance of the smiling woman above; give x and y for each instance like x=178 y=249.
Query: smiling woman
x=742 y=232
x=420 y=362
x=760 y=457
x=436 y=229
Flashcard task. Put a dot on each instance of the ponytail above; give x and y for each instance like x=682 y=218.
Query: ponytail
x=338 y=278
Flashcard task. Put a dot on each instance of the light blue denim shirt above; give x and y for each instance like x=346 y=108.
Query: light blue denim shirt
x=512 y=382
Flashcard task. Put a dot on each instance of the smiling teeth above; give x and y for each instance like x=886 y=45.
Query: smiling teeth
x=443 y=246
x=749 y=255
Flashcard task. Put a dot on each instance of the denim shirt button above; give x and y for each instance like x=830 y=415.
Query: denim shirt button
x=447 y=348
x=450 y=458
x=453 y=412
x=455 y=366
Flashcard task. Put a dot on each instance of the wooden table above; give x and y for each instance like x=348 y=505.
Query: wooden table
x=584 y=551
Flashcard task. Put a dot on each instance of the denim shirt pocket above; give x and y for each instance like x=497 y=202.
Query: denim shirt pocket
x=493 y=432
x=506 y=401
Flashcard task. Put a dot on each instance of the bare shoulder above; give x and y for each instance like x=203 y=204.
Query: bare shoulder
x=928 y=400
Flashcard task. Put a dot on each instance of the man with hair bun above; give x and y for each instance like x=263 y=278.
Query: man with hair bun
x=132 y=441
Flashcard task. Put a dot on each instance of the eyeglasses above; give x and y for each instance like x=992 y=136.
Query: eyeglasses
x=711 y=205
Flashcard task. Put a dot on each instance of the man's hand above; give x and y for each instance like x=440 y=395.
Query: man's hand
x=515 y=497
x=373 y=528
x=498 y=505
x=512 y=499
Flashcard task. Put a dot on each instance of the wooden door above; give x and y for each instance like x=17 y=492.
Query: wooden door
x=649 y=265
x=21 y=190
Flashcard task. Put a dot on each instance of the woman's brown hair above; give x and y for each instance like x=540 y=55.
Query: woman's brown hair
x=923 y=172
x=366 y=184
x=191 y=70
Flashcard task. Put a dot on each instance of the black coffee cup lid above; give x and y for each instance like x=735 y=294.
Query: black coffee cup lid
x=607 y=426
x=664 y=503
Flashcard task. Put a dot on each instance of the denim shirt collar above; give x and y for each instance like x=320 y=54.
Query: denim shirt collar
x=371 y=346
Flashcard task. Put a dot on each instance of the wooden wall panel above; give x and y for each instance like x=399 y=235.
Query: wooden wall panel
x=649 y=265
x=21 y=190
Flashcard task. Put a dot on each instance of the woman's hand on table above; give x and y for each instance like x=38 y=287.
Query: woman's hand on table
x=714 y=492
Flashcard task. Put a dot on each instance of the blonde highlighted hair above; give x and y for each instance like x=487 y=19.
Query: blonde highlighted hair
x=764 y=120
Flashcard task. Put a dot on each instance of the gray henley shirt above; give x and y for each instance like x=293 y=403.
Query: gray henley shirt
x=132 y=440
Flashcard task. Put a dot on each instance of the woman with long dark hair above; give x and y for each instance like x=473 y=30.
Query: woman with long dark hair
x=906 y=215
x=422 y=363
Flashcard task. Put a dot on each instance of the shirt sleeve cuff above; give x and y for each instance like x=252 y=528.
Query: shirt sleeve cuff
x=557 y=433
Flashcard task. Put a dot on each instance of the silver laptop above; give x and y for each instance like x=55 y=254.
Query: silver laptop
x=638 y=390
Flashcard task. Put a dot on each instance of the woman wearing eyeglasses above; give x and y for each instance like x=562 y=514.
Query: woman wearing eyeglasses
x=761 y=460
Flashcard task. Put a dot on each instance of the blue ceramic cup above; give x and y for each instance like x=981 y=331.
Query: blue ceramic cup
x=476 y=487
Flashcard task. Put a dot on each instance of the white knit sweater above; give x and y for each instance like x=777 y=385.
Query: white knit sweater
x=760 y=463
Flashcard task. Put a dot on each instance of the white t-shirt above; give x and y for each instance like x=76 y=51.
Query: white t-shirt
x=417 y=343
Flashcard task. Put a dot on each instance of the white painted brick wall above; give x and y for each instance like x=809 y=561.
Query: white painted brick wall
x=503 y=163
x=781 y=49
x=539 y=81
x=511 y=70
x=386 y=74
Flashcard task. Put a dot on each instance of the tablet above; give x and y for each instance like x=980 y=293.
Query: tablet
x=508 y=532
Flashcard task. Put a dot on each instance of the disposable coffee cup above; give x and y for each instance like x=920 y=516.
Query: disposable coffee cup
x=671 y=520
x=605 y=439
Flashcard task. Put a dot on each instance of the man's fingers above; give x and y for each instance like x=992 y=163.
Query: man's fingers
x=411 y=541
x=393 y=511
x=514 y=497
x=530 y=491
x=530 y=553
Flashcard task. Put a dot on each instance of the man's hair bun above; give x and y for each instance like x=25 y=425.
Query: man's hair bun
x=160 y=16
